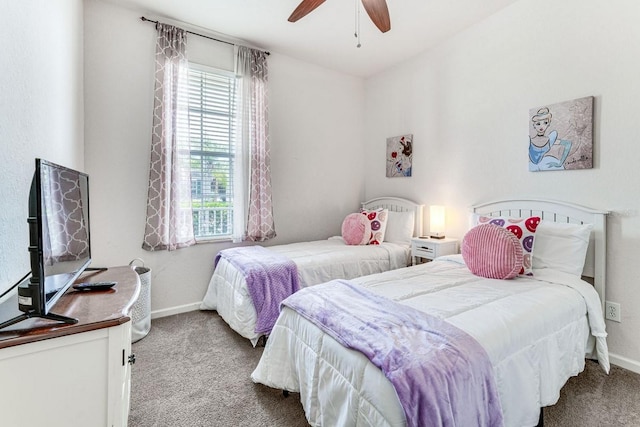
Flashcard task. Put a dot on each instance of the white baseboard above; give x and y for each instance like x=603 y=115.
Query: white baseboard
x=175 y=310
x=623 y=362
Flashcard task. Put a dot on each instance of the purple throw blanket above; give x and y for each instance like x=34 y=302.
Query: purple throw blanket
x=270 y=278
x=443 y=377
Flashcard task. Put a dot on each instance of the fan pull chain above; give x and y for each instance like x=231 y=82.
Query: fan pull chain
x=357 y=23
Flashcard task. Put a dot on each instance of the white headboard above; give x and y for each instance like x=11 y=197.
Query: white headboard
x=398 y=204
x=595 y=264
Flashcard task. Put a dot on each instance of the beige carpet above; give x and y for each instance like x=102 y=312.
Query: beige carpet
x=193 y=370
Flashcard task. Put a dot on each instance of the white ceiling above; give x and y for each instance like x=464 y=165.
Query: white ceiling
x=326 y=36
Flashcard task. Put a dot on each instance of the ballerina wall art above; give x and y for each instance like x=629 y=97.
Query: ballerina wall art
x=561 y=136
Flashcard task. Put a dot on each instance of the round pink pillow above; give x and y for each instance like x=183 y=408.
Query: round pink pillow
x=356 y=229
x=492 y=251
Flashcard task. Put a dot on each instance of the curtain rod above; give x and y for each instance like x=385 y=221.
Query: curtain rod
x=142 y=18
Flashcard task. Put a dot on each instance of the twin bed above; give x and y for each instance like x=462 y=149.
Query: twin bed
x=318 y=262
x=534 y=331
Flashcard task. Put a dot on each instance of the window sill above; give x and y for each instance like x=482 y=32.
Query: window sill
x=205 y=240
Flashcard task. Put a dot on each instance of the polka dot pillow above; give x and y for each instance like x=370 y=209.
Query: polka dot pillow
x=378 y=220
x=524 y=229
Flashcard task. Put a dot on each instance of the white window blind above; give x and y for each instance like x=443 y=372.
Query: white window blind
x=206 y=135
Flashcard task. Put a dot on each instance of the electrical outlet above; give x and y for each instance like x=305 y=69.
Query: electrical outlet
x=612 y=311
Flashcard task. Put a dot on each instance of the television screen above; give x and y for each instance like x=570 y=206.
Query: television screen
x=63 y=218
x=59 y=243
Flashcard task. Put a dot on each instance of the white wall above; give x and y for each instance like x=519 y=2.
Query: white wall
x=467 y=104
x=316 y=123
x=41 y=112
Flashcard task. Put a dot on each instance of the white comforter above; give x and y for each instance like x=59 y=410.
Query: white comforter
x=536 y=332
x=318 y=262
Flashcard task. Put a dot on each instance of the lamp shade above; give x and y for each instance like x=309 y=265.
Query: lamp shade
x=436 y=221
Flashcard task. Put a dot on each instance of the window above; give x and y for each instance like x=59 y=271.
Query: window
x=206 y=136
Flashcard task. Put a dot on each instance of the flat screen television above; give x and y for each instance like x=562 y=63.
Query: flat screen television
x=59 y=240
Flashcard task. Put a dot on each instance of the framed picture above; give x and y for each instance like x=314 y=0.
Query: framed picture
x=399 y=155
x=561 y=136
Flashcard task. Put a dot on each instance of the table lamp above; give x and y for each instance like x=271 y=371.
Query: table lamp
x=436 y=222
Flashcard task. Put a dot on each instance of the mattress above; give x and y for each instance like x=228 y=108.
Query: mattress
x=536 y=332
x=317 y=262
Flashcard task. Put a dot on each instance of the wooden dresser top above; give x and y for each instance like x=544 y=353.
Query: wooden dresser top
x=93 y=309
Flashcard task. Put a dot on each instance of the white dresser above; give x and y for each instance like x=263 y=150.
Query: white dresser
x=71 y=375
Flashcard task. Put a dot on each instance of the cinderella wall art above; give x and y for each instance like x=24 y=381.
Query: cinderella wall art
x=561 y=136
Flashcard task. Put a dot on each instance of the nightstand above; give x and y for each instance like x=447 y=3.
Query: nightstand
x=430 y=249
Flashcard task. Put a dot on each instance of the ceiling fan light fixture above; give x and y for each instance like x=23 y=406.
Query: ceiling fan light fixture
x=357 y=24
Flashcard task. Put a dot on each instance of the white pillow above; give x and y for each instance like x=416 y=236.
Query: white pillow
x=561 y=246
x=399 y=227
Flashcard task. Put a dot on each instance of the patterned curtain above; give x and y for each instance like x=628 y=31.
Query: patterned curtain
x=169 y=216
x=251 y=65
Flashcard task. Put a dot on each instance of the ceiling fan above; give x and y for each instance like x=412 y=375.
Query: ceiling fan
x=376 y=9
